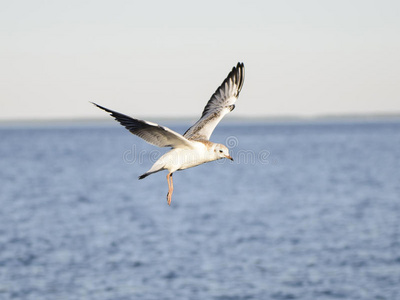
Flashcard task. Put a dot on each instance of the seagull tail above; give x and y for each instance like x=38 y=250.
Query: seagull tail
x=157 y=167
x=144 y=175
x=148 y=173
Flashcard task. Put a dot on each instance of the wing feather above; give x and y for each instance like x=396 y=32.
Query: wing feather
x=221 y=102
x=151 y=132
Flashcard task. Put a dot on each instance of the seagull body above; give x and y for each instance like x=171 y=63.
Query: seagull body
x=180 y=159
x=193 y=148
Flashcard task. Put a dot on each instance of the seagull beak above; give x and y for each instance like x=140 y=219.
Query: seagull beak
x=229 y=157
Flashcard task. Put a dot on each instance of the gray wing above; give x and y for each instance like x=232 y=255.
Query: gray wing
x=221 y=103
x=152 y=133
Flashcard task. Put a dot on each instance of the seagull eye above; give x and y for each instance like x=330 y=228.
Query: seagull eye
x=220 y=151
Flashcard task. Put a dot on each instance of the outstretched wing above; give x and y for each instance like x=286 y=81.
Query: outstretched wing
x=152 y=133
x=221 y=103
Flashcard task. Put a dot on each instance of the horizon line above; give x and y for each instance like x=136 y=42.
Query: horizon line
x=231 y=119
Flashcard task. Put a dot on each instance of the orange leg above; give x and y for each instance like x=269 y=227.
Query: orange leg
x=170 y=188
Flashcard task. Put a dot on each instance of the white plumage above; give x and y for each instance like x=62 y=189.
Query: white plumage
x=193 y=148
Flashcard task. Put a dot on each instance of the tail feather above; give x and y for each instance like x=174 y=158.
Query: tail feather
x=148 y=173
x=144 y=175
x=157 y=167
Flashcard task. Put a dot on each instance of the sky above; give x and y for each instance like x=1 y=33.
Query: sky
x=166 y=58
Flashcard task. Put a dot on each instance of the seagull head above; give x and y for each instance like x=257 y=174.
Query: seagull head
x=222 y=151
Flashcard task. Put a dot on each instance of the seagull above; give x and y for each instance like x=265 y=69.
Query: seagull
x=194 y=147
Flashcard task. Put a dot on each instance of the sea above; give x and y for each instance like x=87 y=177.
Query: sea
x=308 y=209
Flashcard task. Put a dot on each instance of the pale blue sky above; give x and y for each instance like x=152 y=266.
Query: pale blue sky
x=166 y=58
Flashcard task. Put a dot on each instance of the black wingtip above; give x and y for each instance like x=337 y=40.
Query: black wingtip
x=240 y=72
x=239 y=66
x=102 y=107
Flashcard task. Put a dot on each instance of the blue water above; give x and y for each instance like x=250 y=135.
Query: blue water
x=306 y=211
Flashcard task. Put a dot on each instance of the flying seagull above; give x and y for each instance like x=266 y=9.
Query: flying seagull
x=193 y=148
